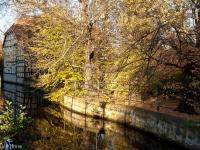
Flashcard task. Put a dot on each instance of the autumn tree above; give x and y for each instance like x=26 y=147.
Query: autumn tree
x=140 y=25
x=144 y=44
x=71 y=42
x=59 y=60
x=167 y=42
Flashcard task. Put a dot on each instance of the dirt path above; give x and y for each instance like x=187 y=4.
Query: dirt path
x=167 y=106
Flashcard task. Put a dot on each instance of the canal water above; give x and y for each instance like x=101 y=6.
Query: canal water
x=56 y=128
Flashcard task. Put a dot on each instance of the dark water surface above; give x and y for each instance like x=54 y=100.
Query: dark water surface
x=59 y=129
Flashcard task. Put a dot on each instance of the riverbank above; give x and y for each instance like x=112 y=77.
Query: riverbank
x=56 y=127
x=172 y=128
x=167 y=107
x=124 y=137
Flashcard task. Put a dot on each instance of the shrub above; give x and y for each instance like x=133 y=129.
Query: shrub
x=15 y=125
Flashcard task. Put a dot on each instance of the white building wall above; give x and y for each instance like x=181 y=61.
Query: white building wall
x=9 y=77
x=12 y=78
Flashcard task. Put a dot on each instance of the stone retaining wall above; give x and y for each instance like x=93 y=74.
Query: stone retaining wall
x=165 y=126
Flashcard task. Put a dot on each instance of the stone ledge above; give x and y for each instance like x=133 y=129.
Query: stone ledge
x=165 y=126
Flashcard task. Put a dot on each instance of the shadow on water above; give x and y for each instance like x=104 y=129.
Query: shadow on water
x=57 y=128
x=60 y=128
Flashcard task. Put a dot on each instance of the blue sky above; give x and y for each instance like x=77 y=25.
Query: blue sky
x=6 y=20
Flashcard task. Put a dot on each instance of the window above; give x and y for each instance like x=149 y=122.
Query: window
x=20 y=69
x=13 y=50
x=13 y=68
x=13 y=97
x=7 y=68
x=6 y=50
x=9 y=42
x=20 y=58
x=19 y=98
x=8 y=95
x=12 y=36
x=21 y=51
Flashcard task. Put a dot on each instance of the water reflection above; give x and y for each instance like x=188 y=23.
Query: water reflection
x=110 y=135
x=21 y=95
x=57 y=128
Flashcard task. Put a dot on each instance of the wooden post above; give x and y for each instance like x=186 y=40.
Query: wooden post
x=98 y=89
x=129 y=94
x=158 y=101
x=75 y=88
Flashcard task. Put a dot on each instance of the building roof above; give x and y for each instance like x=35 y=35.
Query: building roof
x=19 y=23
x=20 y=26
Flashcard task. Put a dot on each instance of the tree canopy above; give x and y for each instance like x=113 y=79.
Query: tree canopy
x=88 y=46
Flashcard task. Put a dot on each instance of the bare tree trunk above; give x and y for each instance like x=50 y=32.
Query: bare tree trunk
x=186 y=104
x=197 y=24
x=88 y=71
x=88 y=48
